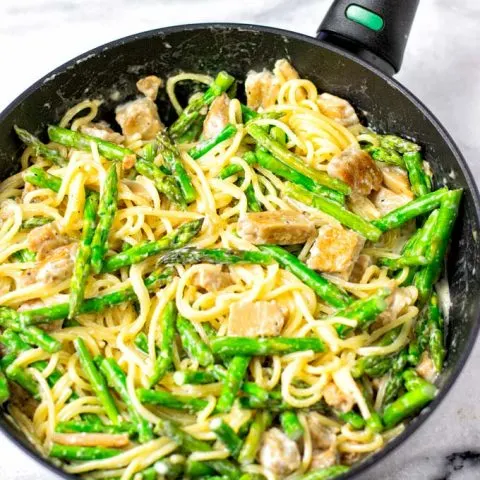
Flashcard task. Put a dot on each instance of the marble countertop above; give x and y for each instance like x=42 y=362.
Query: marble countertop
x=441 y=66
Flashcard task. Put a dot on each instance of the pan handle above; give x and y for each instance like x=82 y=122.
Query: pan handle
x=374 y=30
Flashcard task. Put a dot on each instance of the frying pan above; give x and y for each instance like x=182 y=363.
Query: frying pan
x=354 y=55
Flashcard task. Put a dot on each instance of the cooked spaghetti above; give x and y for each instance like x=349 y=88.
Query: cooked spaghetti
x=249 y=292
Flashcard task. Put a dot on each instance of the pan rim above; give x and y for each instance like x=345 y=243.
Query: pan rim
x=419 y=420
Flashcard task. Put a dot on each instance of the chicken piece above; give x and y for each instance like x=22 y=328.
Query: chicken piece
x=56 y=268
x=212 y=278
x=46 y=238
x=396 y=179
x=362 y=206
x=334 y=397
x=349 y=458
x=324 y=458
x=360 y=267
x=255 y=319
x=323 y=437
x=217 y=116
x=284 y=71
x=335 y=250
x=386 y=201
x=92 y=439
x=22 y=400
x=149 y=86
x=337 y=109
x=357 y=169
x=103 y=131
x=139 y=116
x=278 y=453
x=261 y=88
x=128 y=161
x=282 y=227
x=426 y=369
x=398 y=301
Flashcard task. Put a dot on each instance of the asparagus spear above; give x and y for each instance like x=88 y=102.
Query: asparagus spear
x=149 y=152
x=395 y=381
x=24 y=255
x=4 y=391
x=192 y=343
x=82 y=266
x=195 y=469
x=417 y=176
x=193 y=377
x=171 y=468
x=404 y=261
x=96 y=379
x=107 y=209
x=35 y=222
x=385 y=155
x=24 y=379
x=234 y=168
x=218 y=256
x=355 y=420
x=192 y=134
x=399 y=144
x=436 y=334
x=286 y=172
x=291 y=425
x=175 y=239
x=92 y=305
x=80 y=141
x=38 y=177
x=251 y=445
x=291 y=160
x=278 y=135
x=201 y=149
x=40 y=338
x=40 y=149
x=236 y=372
x=396 y=218
x=324 y=473
x=227 y=436
x=344 y=216
x=412 y=380
x=252 y=202
x=165 y=359
x=168 y=400
x=163 y=183
x=74 y=426
x=247 y=346
x=174 y=163
x=320 y=285
x=74 y=453
x=249 y=114
x=222 y=83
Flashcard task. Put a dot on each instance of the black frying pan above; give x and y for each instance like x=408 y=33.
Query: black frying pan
x=348 y=59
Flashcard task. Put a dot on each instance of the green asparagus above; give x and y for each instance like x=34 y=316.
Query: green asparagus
x=236 y=372
x=74 y=426
x=35 y=222
x=436 y=342
x=193 y=377
x=74 y=453
x=399 y=144
x=38 y=177
x=234 y=168
x=227 y=436
x=192 y=343
x=324 y=473
x=24 y=256
x=168 y=400
x=201 y=149
x=385 y=155
x=252 y=202
x=4 y=390
x=417 y=176
x=291 y=425
x=251 y=445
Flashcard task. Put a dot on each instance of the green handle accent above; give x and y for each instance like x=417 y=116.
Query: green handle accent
x=364 y=17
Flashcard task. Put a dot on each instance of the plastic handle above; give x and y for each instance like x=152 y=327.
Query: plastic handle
x=374 y=30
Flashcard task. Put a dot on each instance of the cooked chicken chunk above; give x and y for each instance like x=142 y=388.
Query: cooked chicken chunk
x=334 y=397
x=324 y=458
x=284 y=71
x=217 y=117
x=278 y=453
x=46 y=238
x=396 y=179
x=282 y=227
x=322 y=436
x=103 y=131
x=360 y=267
x=255 y=319
x=426 y=369
x=357 y=169
x=398 y=301
x=386 y=201
x=149 y=86
x=212 y=278
x=261 y=89
x=139 y=116
x=22 y=400
x=337 y=109
x=336 y=250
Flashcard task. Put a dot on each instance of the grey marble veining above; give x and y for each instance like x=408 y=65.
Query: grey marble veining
x=441 y=66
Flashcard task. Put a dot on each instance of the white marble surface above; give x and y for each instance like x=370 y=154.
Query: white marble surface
x=441 y=66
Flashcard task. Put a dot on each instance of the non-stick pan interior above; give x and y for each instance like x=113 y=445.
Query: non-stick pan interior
x=110 y=72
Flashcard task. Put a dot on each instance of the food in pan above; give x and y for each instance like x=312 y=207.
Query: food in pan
x=247 y=293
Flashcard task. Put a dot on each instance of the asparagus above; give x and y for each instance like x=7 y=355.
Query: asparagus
x=417 y=176
x=24 y=379
x=252 y=202
x=163 y=183
x=80 y=141
x=173 y=431
x=97 y=381
x=141 y=342
x=218 y=256
x=404 y=261
x=249 y=114
x=171 y=468
x=38 y=177
x=40 y=338
x=234 y=168
x=324 y=473
x=399 y=144
x=175 y=239
x=436 y=334
x=251 y=445
x=168 y=400
x=74 y=453
x=395 y=381
x=320 y=285
x=236 y=372
x=193 y=377
x=4 y=391
x=192 y=134
x=344 y=216
x=94 y=304
x=149 y=152
x=232 y=346
x=107 y=209
x=40 y=149
x=355 y=420
x=278 y=135
x=412 y=380
x=291 y=425
x=35 y=222
x=164 y=360
x=192 y=343
x=117 y=380
x=82 y=266
x=201 y=149
x=291 y=160
x=286 y=172
x=24 y=255
x=222 y=83
x=74 y=426
x=227 y=436
x=195 y=469
x=408 y=404
x=396 y=218
x=385 y=155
